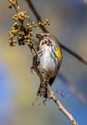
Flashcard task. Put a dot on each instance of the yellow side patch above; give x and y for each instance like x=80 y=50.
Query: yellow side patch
x=58 y=53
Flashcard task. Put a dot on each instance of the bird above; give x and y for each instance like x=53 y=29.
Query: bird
x=49 y=59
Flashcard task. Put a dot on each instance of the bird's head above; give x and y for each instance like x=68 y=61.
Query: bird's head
x=43 y=36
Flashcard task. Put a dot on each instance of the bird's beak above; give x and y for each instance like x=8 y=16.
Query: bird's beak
x=39 y=36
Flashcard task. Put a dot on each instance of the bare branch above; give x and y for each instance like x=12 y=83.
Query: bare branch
x=73 y=89
x=81 y=59
x=60 y=106
x=38 y=17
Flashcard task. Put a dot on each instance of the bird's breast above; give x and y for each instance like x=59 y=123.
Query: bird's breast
x=48 y=61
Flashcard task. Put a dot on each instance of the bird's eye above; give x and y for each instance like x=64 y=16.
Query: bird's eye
x=42 y=43
x=45 y=35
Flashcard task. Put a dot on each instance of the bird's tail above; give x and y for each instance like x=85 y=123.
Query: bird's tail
x=51 y=80
x=43 y=88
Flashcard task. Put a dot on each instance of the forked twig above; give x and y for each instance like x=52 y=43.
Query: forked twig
x=38 y=17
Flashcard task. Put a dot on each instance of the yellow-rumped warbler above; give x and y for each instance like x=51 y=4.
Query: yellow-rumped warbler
x=49 y=58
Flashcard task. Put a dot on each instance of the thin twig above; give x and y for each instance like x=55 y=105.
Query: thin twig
x=73 y=89
x=38 y=17
x=60 y=106
x=81 y=59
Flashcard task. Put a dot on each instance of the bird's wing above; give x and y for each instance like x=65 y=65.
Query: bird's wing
x=58 y=53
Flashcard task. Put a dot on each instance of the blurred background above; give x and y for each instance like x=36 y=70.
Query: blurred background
x=18 y=86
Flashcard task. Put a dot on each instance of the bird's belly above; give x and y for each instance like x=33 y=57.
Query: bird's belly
x=49 y=63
